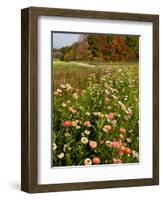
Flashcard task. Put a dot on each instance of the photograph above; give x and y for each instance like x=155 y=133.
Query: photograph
x=95 y=114
x=89 y=99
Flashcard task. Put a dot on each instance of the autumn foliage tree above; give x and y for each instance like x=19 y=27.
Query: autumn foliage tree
x=101 y=48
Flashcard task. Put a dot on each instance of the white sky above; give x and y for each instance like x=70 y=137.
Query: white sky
x=64 y=39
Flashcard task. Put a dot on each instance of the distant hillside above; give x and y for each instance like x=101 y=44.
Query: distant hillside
x=101 y=48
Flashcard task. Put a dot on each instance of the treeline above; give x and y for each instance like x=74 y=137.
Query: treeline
x=101 y=48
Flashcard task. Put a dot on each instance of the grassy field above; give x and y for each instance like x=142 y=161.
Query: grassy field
x=95 y=113
x=72 y=73
x=77 y=75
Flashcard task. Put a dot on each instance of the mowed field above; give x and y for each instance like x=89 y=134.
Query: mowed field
x=95 y=113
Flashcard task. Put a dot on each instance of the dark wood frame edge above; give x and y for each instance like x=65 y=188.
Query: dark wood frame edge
x=29 y=99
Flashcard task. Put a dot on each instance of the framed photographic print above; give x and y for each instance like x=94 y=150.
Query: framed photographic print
x=90 y=100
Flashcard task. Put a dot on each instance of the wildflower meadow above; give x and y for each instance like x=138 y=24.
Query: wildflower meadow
x=95 y=113
x=97 y=124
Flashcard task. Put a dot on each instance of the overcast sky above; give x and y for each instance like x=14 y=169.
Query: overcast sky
x=64 y=39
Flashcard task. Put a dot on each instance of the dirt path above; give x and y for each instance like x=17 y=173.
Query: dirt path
x=82 y=64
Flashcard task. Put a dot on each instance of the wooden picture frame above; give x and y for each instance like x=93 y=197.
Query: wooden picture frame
x=29 y=97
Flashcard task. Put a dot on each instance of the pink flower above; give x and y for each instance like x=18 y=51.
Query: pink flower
x=121 y=136
x=115 y=145
x=127 y=150
x=120 y=142
x=73 y=123
x=93 y=144
x=96 y=160
x=72 y=110
x=67 y=124
x=121 y=153
x=122 y=130
x=87 y=124
x=122 y=148
x=102 y=141
x=107 y=128
x=110 y=116
x=106 y=99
